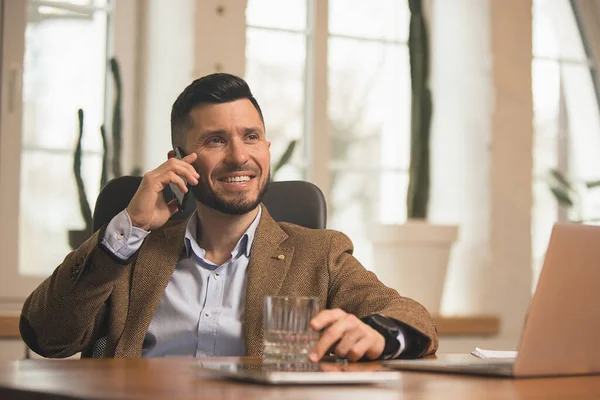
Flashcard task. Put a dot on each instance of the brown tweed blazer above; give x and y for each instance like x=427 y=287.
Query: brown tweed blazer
x=93 y=295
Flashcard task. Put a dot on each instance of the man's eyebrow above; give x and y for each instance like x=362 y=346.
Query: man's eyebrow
x=253 y=129
x=213 y=132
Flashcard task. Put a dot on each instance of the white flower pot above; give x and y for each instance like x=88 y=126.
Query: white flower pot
x=413 y=258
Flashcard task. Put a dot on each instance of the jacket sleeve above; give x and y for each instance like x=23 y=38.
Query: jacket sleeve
x=65 y=314
x=356 y=290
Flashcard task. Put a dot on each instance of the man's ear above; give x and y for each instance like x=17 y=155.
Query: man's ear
x=171 y=154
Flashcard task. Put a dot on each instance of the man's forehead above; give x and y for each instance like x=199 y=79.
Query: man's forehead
x=212 y=117
x=242 y=108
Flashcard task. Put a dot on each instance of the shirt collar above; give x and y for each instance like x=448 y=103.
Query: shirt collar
x=243 y=245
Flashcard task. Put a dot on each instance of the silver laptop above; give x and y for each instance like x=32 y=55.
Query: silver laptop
x=325 y=373
x=562 y=332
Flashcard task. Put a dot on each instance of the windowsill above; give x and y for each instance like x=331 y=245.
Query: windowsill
x=477 y=325
x=9 y=326
x=481 y=325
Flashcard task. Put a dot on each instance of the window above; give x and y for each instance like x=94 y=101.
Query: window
x=64 y=70
x=54 y=63
x=567 y=121
x=366 y=93
x=276 y=63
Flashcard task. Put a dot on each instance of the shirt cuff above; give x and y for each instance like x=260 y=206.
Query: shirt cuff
x=121 y=238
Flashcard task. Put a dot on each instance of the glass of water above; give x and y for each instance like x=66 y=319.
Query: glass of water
x=287 y=335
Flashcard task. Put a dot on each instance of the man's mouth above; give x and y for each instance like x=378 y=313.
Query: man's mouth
x=236 y=179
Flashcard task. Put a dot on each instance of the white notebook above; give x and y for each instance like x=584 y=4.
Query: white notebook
x=489 y=354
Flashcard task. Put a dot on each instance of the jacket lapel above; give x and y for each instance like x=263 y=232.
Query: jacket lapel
x=269 y=263
x=157 y=259
x=153 y=269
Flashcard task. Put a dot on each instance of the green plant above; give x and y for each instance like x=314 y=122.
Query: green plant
x=116 y=118
x=571 y=195
x=84 y=205
x=111 y=151
x=421 y=111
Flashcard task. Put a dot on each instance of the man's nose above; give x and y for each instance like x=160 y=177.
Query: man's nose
x=237 y=153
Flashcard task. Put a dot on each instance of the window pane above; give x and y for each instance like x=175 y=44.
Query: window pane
x=275 y=65
x=546 y=95
x=369 y=103
x=584 y=121
x=555 y=31
x=288 y=14
x=64 y=70
x=378 y=19
x=567 y=121
x=361 y=198
x=49 y=206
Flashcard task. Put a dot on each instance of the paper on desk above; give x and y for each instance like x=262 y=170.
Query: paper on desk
x=487 y=354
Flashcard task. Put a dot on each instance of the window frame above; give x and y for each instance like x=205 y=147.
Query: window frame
x=14 y=287
x=563 y=131
x=318 y=166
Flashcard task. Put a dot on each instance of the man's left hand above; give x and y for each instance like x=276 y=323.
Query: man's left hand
x=346 y=335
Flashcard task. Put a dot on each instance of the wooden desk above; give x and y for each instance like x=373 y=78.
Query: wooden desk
x=178 y=379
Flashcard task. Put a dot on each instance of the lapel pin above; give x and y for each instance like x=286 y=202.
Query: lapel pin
x=281 y=257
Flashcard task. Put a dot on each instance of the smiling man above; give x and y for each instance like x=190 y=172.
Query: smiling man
x=146 y=286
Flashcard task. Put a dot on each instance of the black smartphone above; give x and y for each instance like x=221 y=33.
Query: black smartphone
x=180 y=197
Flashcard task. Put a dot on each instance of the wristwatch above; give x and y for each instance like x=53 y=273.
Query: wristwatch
x=387 y=328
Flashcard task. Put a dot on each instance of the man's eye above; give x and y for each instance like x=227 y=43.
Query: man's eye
x=253 y=136
x=215 y=140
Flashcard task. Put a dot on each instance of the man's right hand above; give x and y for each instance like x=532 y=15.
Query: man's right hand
x=147 y=209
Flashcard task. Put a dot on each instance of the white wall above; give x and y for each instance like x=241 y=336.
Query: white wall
x=509 y=280
x=182 y=41
x=463 y=96
x=167 y=68
x=482 y=152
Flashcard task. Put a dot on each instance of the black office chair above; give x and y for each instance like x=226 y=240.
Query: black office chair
x=298 y=202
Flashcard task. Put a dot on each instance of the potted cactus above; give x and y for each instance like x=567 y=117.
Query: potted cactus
x=77 y=237
x=111 y=151
x=413 y=257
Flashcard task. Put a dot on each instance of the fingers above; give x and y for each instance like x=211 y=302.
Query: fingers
x=174 y=171
x=338 y=323
x=172 y=177
x=326 y=318
x=180 y=168
x=186 y=162
x=346 y=344
x=147 y=209
x=349 y=336
x=190 y=158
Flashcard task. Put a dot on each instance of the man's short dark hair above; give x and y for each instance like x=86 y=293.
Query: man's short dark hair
x=214 y=88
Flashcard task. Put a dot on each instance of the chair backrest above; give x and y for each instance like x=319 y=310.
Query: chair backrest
x=298 y=202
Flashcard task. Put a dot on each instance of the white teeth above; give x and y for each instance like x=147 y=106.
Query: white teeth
x=237 y=179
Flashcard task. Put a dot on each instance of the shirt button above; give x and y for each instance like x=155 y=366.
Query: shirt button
x=217 y=276
x=207 y=314
x=120 y=235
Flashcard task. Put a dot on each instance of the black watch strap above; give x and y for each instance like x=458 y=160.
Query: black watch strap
x=416 y=343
